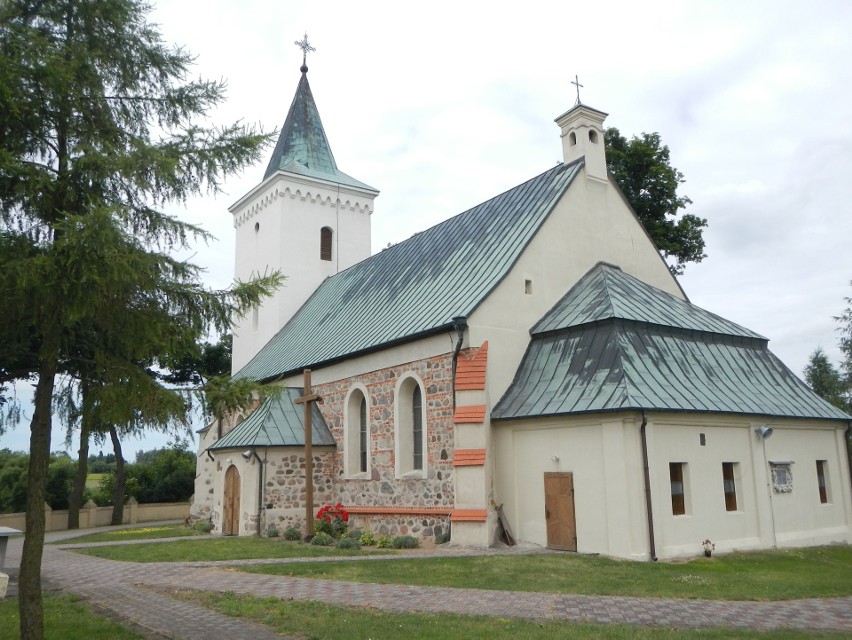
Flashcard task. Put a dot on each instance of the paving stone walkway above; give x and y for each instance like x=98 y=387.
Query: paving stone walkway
x=134 y=592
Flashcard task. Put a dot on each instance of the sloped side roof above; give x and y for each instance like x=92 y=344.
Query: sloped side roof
x=621 y=365
x=607 y=292
x=615 y=343
x=417 y=286
x=302 y=146
x=277 y=422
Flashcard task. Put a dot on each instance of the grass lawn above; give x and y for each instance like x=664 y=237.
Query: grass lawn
x=93 y=480
x=770 y=575
x=136 y=533
x=218 y=548
x=65 y=618
x=320 y=622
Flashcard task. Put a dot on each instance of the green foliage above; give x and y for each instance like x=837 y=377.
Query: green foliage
x=367 y=538
x=825 y=380
x=272 y=532
x=205 y=526
x=641 y=168
x=384 y=542
x=405 y=542
x=292 y=534
x=442 y=538
x=322 y=539
x=14 y=480
x=348 y=543
x=158 y=475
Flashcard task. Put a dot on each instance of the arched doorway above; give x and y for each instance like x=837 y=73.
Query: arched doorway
x=231 y=515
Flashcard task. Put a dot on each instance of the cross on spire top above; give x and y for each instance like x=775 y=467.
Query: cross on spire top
x=305 y=46
x=577 y=84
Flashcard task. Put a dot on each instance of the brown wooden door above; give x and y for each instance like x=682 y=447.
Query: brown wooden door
x=559 y=511
x=231 y=515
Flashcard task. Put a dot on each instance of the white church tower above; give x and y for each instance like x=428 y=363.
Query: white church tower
x=306 y=218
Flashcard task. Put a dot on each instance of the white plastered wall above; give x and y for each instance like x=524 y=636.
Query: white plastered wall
x=604 y=454
x=590 y=224
x=278 y=228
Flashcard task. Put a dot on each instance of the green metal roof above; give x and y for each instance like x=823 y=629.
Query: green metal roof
x=634 y=361
x=416 y=287
x=607 y=292
x=277 y=422
x=302 y=146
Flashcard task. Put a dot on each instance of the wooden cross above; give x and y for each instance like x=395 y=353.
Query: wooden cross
x=576 y=83
x=306 y=399
x=305 y=47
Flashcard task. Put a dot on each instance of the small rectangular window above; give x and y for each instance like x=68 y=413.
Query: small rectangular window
x=822 y=480
x=528 y=287
x=730 y=485
x=678 y=493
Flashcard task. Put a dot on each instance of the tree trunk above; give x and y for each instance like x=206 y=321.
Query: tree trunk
x=118 y=487
x=75 y=500
x=29 y=580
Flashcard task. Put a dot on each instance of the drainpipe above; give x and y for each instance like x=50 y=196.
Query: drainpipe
x=459 y=324
x=259 y=488
x=647 y=485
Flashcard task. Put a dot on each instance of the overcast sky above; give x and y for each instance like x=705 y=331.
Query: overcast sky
x=442 y=105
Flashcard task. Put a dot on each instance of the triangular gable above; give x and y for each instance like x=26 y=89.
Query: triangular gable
x=417 y=287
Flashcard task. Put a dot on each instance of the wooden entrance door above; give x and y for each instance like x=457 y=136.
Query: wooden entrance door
x=231 y=515
x=559 y=511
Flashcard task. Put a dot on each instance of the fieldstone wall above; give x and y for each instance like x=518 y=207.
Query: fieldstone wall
x=285 y=486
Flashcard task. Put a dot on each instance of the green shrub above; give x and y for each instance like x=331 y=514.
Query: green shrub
x=355 y=534
x=205 y=526
x=405 y=542
x=384 y=542
x=272 y=532
x=322 y=539
x=292 y=534
x=442 y=538
x=367 y=538
x=348 y=543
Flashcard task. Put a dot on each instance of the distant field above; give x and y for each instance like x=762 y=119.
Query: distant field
x=93 y=480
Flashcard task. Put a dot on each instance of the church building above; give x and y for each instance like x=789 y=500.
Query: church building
x=530 y=364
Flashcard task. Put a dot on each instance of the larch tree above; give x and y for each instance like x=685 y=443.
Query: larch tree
x=99 y=130
x=642 y=169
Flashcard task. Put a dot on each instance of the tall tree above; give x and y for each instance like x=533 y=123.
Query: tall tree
x=642 y=169
x=825 y=380
x=98 y=131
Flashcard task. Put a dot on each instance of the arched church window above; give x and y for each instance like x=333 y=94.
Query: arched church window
x=326 y=236
x=417 y=428
x=357 y=434
x=572 y=138
x=593 y=136
x=410 y=429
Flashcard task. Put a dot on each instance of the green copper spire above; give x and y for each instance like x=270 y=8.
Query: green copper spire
x=302 y=146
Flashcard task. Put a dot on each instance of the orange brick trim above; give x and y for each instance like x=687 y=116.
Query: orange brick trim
x=470 y=372
x=400 y=511
x=469 y=515
x=474 y=413
x=469 y=457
